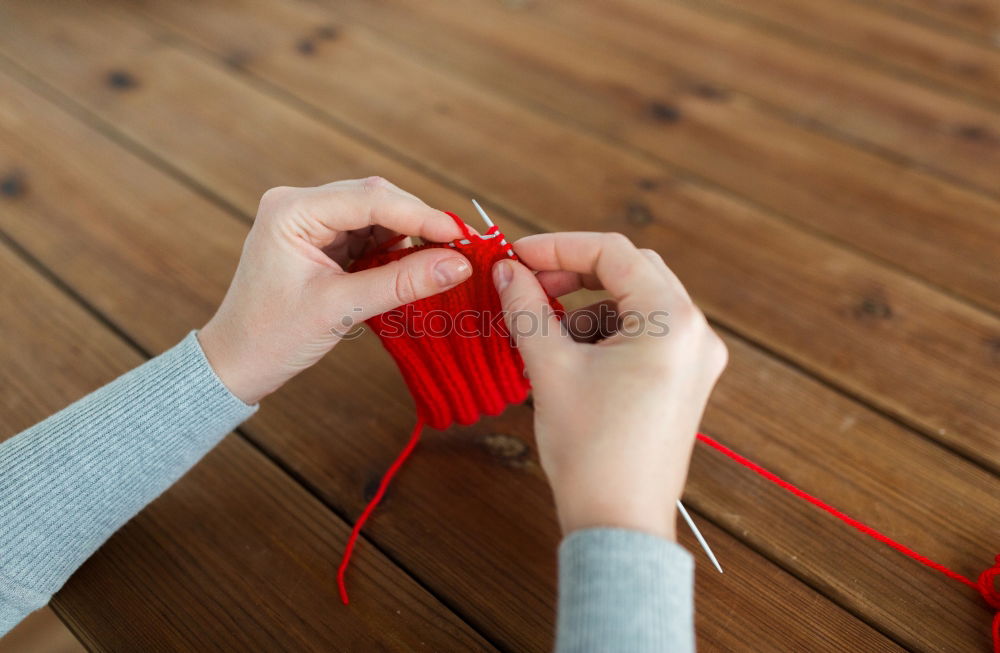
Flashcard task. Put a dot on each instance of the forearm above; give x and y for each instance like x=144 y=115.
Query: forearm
x=623 y=590
x=69 y=482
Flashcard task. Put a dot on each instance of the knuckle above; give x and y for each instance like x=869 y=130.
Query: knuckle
x=375 y=184
x=718 y=353
x=525 y=304
x=616 y=240
x=274 y=202
x=653 y=257
x=275 y=195
x=405 y=287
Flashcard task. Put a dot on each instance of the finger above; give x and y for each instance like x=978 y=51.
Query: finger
x=562 y=282
x=415 y=276
x=532 y=323
x=661 y=265
x=319 y=214
x=629 y=276
x=689 y=311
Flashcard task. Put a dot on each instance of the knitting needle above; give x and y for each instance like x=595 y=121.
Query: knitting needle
x=680 y=506
x=489 y=227
x=486 y=218
x=698 y=535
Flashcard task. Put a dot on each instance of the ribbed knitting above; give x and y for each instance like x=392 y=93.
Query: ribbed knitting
x=623 y=590
x=453 y=349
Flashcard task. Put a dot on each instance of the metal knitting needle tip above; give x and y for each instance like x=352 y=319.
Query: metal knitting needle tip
x=698 y=536
x=486 y=218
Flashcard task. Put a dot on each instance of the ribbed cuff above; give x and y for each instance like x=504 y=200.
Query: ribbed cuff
x=623 y=590
x=16 y=602
x=69 y=482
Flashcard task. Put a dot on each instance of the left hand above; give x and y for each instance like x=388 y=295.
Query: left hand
x=292 y=300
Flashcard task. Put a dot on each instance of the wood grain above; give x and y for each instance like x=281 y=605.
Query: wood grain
x=464 y=494
x=915 y=220
x=268 y=543
x=842 y=316
x=879 y=37
x=977 y=18
x=923 y=126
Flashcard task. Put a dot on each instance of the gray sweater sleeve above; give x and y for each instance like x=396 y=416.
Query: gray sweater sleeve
x=622 y=590
x=69 y=482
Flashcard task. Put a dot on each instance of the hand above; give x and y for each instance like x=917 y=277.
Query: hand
x=615 y=421
x=291 y=300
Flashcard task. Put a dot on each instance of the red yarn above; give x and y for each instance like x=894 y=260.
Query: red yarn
x=453 y=350
x=382 y=487
x=986 y=584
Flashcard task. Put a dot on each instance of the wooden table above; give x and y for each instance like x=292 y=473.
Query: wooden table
x=824 y=175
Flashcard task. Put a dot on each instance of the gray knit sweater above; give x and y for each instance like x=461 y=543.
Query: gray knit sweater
x=69 y=482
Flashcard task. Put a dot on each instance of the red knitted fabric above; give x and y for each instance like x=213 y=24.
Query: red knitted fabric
x=453 y=349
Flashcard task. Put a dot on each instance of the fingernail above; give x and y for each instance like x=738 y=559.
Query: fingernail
x=451 y=271
x=502 y=273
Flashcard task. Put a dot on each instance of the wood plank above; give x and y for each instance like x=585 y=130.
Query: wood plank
x=769 y=630
x=877 y=36
x=472 y=515
x=842 y=317
x=268 y=543
x=919 y=222
x=976 y=17
x=461 y=476
x=41 y=631
x=922 y=126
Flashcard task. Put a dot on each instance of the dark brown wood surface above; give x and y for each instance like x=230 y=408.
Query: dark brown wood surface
x=788 y=177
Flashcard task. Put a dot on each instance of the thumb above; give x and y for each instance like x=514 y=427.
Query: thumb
x=418 y=275
x=533 y=324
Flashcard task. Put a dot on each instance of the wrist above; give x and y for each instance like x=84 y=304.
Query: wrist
x=615 y=505
x=234 y=368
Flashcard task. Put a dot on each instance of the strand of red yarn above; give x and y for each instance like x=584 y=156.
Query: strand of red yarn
x=382 y=487
x=986 y=584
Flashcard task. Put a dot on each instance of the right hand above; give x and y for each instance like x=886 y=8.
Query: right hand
x=615 y=421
